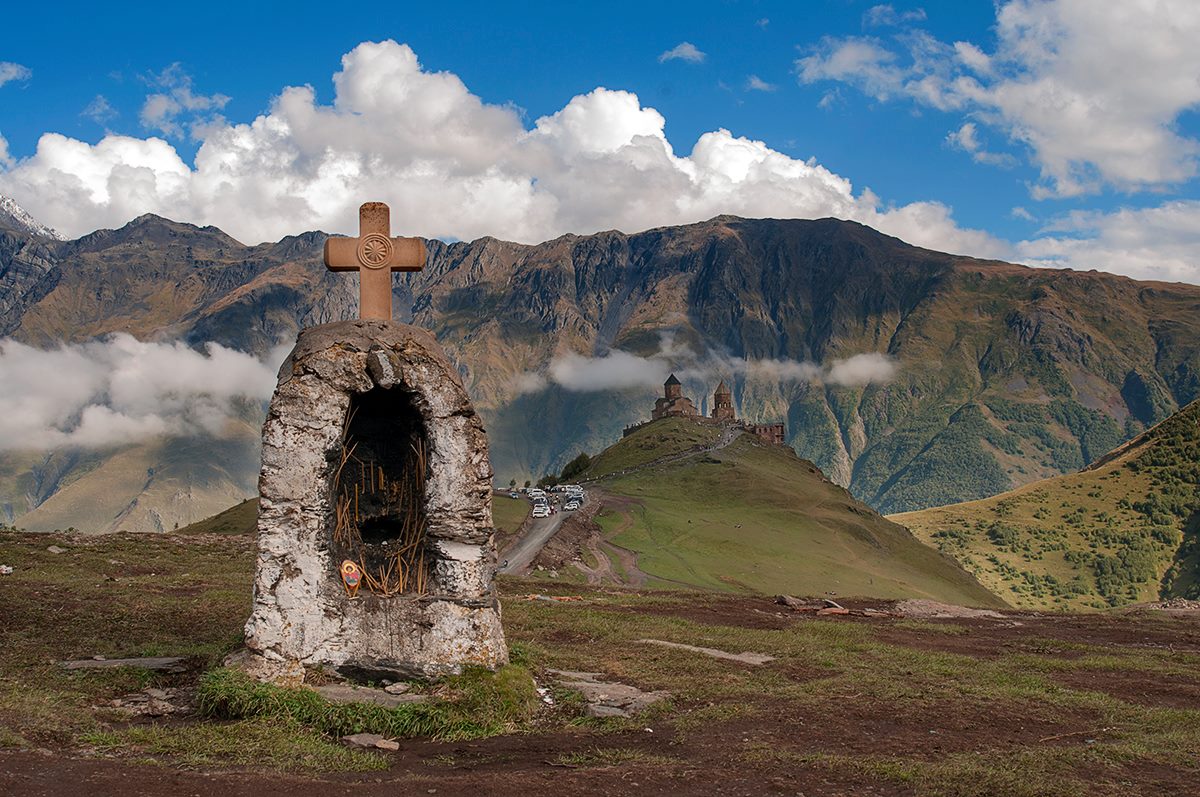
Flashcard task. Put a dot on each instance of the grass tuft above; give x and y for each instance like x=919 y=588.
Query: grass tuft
x=474 y=705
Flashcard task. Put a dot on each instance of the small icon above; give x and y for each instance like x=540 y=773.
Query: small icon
x=351 y=577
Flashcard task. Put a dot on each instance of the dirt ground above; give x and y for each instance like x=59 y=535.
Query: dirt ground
x=742 y=753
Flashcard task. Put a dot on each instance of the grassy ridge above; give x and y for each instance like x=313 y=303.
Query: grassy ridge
x=1122 y=531
x=756 y=518
x=653 y=441
x=237 y=519
x=507 y=515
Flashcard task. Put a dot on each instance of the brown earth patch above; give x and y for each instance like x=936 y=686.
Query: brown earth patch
x=1146 y=779
x=520 y=766
x=926 y=730
x=1136 y=687
x=569 y=542
x=580 y=537
x=1054 y=635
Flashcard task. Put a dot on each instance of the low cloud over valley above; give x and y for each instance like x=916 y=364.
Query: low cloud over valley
x=120 y=390
x=621 y=370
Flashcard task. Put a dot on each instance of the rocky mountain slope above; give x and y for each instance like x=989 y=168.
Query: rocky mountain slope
x=16 y=218
x=1005 y=374
x=1124 y=530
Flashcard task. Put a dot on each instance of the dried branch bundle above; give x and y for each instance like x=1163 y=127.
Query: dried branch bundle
x=396 y=565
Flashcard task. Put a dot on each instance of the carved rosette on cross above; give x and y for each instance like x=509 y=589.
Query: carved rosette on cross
x=374 y=254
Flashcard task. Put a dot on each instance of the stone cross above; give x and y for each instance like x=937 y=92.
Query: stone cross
x=374 y=255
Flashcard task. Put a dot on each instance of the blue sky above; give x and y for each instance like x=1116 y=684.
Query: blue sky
x=982 y=129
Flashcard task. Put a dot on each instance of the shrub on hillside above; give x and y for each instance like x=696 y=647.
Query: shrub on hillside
x=575 y=467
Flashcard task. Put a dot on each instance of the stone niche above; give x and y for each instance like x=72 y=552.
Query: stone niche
x=373 y=453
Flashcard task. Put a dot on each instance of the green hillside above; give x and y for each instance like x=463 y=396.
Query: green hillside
x=237 y=519
x=1122 y=531
x=757 y=518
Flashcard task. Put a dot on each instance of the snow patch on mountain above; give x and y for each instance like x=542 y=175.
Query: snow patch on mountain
x=10 y=210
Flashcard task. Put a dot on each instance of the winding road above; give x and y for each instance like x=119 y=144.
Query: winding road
x=521 y=555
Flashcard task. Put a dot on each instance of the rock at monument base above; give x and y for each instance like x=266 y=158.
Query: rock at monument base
x=303 y=616
x=346 y=693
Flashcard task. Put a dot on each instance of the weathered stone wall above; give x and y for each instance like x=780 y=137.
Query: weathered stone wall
x=302 y=616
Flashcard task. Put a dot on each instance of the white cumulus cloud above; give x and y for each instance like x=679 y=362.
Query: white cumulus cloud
x=1093 y=91
x=1161 y=242
x=966 y=138
x=120 y=390
x=100 y=110
x=174 y=101
x=863 y=369
x=755 y=83
x=883 y=15
x=450 y=165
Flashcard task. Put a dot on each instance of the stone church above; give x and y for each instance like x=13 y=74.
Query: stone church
x=673 y=404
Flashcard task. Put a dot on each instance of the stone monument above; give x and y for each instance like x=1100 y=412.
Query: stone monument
x=375 y=538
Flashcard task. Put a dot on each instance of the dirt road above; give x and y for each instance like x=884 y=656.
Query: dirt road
x=524 y=551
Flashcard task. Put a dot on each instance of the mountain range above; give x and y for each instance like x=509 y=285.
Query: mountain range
x=1003 y=374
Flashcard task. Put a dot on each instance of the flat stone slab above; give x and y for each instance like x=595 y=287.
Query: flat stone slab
x=370 y=741
x=935 y=610
x=744 y=658
x=154 y=702
x=606 y=698
x=345 y=693
x=159 y=663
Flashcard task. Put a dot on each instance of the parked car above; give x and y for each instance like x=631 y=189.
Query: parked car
x=514 y=495
x=541 y=511
x=571 y=506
